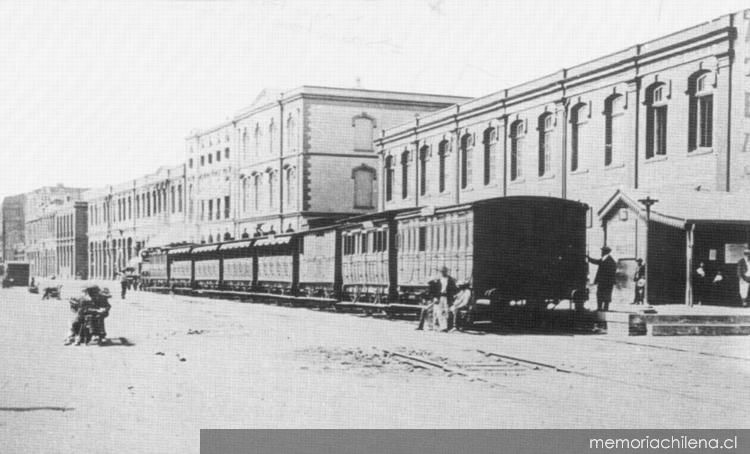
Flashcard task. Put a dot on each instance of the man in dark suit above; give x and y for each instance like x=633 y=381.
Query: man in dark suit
x=441 y=292
x=605 y=278
x=743 y=275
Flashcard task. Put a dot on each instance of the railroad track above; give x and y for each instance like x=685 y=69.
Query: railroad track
x=551 y=367
x=674 y=349
x=473 y=371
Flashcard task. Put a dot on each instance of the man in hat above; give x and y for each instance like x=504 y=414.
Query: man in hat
x=605 y=278
x=639 y=278
x=743 y=275
x=442 y=291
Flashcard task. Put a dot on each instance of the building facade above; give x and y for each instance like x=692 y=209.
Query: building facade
x=672 y=113
x=13 y=227
x=55 y=243
x=292 y=160
x=125 y=218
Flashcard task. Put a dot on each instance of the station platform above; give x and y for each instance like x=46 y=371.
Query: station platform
x=675 y=320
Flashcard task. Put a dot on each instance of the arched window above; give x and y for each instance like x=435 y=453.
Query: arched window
x=656 y=120
x=363 y=132
x=701 y=111
x=544 y=127
x=244 y=194
x=442 y=156
x=291 y=134
x=388 y=173
x=173 y=196
x=291 y=187
x=613 y=127
x=179 y=198
x=364 y=187
x=257 y=138
x=190 y=199
x=245 y=143
x=405 y=174
x=256 y=191
x=272 y=177
x=271 y=133
x=489 y=140
x=517 y=133
x=577 y=120
x=424 y=154
x=467 y=146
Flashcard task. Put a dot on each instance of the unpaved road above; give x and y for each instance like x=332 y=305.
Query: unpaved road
x=191 y=363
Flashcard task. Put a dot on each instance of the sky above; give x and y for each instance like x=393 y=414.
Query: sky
x=97 y=93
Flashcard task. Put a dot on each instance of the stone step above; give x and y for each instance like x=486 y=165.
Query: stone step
x=697 y=319
x=698 y=329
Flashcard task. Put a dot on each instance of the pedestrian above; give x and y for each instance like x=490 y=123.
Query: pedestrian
x=605 y=278
x=123 y=284
x=639 y=278
x=430 y=299
x=462 y=301
x=699 y=285
x=448 y=290
x=743 y=275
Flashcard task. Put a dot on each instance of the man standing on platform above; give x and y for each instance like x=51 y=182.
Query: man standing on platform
x=743 y=275
x=605 y=278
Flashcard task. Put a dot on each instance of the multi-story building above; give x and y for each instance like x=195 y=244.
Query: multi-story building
x=125 y=218
x=55 y=240
x=41 y=243
x=71 y=234
x=669 y=113
x=13 y=227
x=293 y=159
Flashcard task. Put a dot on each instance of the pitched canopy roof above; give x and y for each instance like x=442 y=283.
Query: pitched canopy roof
x=680 y=208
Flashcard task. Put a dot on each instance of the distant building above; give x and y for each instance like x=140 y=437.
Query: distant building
x=13 y=227
x=127 y=217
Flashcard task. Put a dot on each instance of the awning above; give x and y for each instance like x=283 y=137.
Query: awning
x=273 y=241
x=204 y=249
x=236 y=245
x=682 y=208
x=180 y=250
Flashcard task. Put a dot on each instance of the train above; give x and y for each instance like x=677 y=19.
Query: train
x=525 y=250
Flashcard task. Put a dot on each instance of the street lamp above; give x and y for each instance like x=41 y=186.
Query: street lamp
x=647 y=202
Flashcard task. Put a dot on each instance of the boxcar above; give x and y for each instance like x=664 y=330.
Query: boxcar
x=319 y=263
x=525 y=249
x=277 y=264
x=238 y=265
x=368 y=257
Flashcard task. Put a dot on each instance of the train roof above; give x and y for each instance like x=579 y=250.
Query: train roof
x=495 y=201
x=373 y=217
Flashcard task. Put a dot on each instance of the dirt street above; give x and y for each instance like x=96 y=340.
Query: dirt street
x=180 y=364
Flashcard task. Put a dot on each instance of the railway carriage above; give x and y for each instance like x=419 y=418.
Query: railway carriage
x=238 y=265
x=154 y=271
x=319 y=263
x=180 y=267
x=206 y=267
x=368 y=257
x=529 y=250
x=277 y=264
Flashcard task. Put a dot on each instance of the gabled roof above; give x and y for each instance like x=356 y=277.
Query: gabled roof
x=679 y=208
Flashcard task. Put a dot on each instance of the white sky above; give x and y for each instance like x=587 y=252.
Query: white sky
x=98 y=93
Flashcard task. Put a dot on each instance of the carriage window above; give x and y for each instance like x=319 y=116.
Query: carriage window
x=422 y=238
x=365 y=241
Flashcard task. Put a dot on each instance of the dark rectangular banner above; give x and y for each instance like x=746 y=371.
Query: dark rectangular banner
x=216 y=441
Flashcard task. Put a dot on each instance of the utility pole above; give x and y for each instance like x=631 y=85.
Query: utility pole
x=647 y=202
